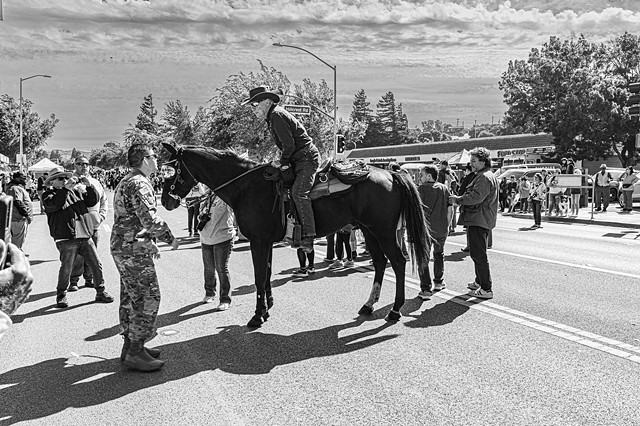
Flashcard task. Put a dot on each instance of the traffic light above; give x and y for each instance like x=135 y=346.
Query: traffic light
x=634 y=99
x=341 y=144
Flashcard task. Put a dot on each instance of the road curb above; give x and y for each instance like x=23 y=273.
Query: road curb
x=577 y=220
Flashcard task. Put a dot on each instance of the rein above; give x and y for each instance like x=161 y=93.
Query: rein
x=180 y=163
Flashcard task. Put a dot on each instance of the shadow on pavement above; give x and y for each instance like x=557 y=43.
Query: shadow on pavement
x=37 y=262
x=456 y=256
x=440 y=314
x=52 y=386
x=48 y=310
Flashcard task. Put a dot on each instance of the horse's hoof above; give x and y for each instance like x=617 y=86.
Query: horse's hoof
x=255 y=322
x=393 y=316
x=269 y=302
x=266 y=316
x=365 y=310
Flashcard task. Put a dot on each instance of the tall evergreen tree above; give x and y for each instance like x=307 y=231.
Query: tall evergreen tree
x=388 y=119
x=177 y=123
x=361 y=111
x=146 y=118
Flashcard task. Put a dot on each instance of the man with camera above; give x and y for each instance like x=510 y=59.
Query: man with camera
x=71 y=224
x=22 y=214
x=99 y=211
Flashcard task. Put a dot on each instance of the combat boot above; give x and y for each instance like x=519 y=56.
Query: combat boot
x=127 y=343
x=138 y=359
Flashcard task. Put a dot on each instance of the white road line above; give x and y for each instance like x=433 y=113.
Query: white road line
x=559 y=262
x=553 y=328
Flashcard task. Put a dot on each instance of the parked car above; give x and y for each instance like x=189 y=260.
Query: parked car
x=635 y=196
x=541 y=166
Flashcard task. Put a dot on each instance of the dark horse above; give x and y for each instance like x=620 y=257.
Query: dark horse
x=378 y=204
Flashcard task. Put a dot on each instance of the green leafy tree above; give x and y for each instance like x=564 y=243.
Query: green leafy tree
x=35 y=131
x=177 y=123
x=111 y=155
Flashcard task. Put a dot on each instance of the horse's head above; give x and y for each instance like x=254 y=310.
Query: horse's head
x=178 y=180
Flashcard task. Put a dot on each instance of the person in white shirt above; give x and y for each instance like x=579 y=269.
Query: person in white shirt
x=99 y=213
x=217 y=234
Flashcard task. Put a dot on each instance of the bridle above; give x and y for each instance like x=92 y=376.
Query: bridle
x=179 y=163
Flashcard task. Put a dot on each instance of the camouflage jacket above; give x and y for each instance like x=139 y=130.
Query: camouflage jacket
x=136 y=224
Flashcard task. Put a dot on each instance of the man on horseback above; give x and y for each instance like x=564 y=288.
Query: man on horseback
x=299 y=157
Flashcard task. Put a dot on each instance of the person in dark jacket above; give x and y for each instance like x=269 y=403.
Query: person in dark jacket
x=71 y=225
x=480 y=201
x=22 y=214
x=299 y=155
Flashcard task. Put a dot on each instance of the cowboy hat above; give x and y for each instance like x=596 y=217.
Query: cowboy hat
x=55 y=173
x=260 y=93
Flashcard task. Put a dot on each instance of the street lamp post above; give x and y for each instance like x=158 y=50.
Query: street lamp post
x=335 y=87
x=21 y=144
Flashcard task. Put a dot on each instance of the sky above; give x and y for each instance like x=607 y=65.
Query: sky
x=441 y=59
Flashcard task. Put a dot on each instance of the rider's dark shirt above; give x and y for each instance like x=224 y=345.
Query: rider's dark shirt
x=288 y=133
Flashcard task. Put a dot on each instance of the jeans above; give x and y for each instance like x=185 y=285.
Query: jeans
x=628 y=200
x=216 y=259
x=478 y=251
x=537 y=211
x=80 y=266
x=69 y=249
x=306 y=259
x=343 y=245
x=192 y=215
x=305 y=170
x=601 y=197
x=438 y=265
x=19 y=232
x=554 y=202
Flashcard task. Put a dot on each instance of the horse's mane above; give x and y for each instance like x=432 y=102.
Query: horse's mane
x=222 y=154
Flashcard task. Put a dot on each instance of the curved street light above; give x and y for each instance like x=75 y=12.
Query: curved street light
x=21 y=145
x=335 y=96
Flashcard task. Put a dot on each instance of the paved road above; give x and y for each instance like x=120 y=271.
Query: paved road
x=558 y=345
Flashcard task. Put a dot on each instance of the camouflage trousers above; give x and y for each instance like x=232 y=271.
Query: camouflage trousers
x=139 y=296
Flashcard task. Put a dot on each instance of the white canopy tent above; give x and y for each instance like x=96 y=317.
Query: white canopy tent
x=461 y=158
x=43 y=166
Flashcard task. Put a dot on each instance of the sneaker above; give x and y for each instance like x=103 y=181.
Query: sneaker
x=302 y=272
x=466 y=249
x=223 y=306
x=62 y=302
x=534 y=227
x=73 y=287
x=337 y=264
x=439 y=286
x=104 y=297
x=326 y=259
x=311 y=270
x=349 y=264
x=481 y=294
x=209 y=299
x=473 y=285
x=89 y=284
x=425 y=295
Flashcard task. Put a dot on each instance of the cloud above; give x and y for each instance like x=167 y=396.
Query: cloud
x=205 y=30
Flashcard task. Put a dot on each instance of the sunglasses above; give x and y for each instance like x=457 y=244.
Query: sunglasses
x=82 y=164
x=61 y=178
x=151 y=156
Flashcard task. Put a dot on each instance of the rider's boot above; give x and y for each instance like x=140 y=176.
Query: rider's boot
x=138 y=359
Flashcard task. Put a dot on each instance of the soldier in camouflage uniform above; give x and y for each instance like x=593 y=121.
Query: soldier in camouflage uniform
x=136 y=227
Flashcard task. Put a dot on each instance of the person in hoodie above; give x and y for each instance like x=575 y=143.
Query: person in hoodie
x=71 y=224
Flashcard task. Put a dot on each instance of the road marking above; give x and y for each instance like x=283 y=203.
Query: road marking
x=553 y=328
x=559 y=262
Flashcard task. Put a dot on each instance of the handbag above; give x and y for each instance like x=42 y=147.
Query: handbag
x=626 y=185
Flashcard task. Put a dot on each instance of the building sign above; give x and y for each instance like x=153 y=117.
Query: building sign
x=382 y=160
x=412 y=158
x=511 y=152
x=540 y=150
x=298 y=109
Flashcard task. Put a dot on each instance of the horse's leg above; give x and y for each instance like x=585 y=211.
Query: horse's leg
x=260 y=255
x=267 y=286
x=393 y=251
x=379 y=264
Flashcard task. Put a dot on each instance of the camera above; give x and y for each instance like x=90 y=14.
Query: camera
x=202 y=221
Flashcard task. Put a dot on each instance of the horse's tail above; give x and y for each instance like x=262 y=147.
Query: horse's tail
x=416 y=223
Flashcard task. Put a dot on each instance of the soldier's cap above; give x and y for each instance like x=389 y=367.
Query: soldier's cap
x=55 y=173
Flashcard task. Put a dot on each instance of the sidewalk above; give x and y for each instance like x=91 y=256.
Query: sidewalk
x=612 y=217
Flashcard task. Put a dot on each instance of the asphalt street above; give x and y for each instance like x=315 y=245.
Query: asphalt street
x=558 y=345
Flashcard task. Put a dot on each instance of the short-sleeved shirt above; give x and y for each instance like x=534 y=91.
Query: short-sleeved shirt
x=435 y=197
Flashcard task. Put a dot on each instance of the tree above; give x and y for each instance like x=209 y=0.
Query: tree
x=177 y=123
x=111 y=155
x=35 y=131
x=146 y=118
x=55 y=156
x=360 y=110
x=570 y=89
